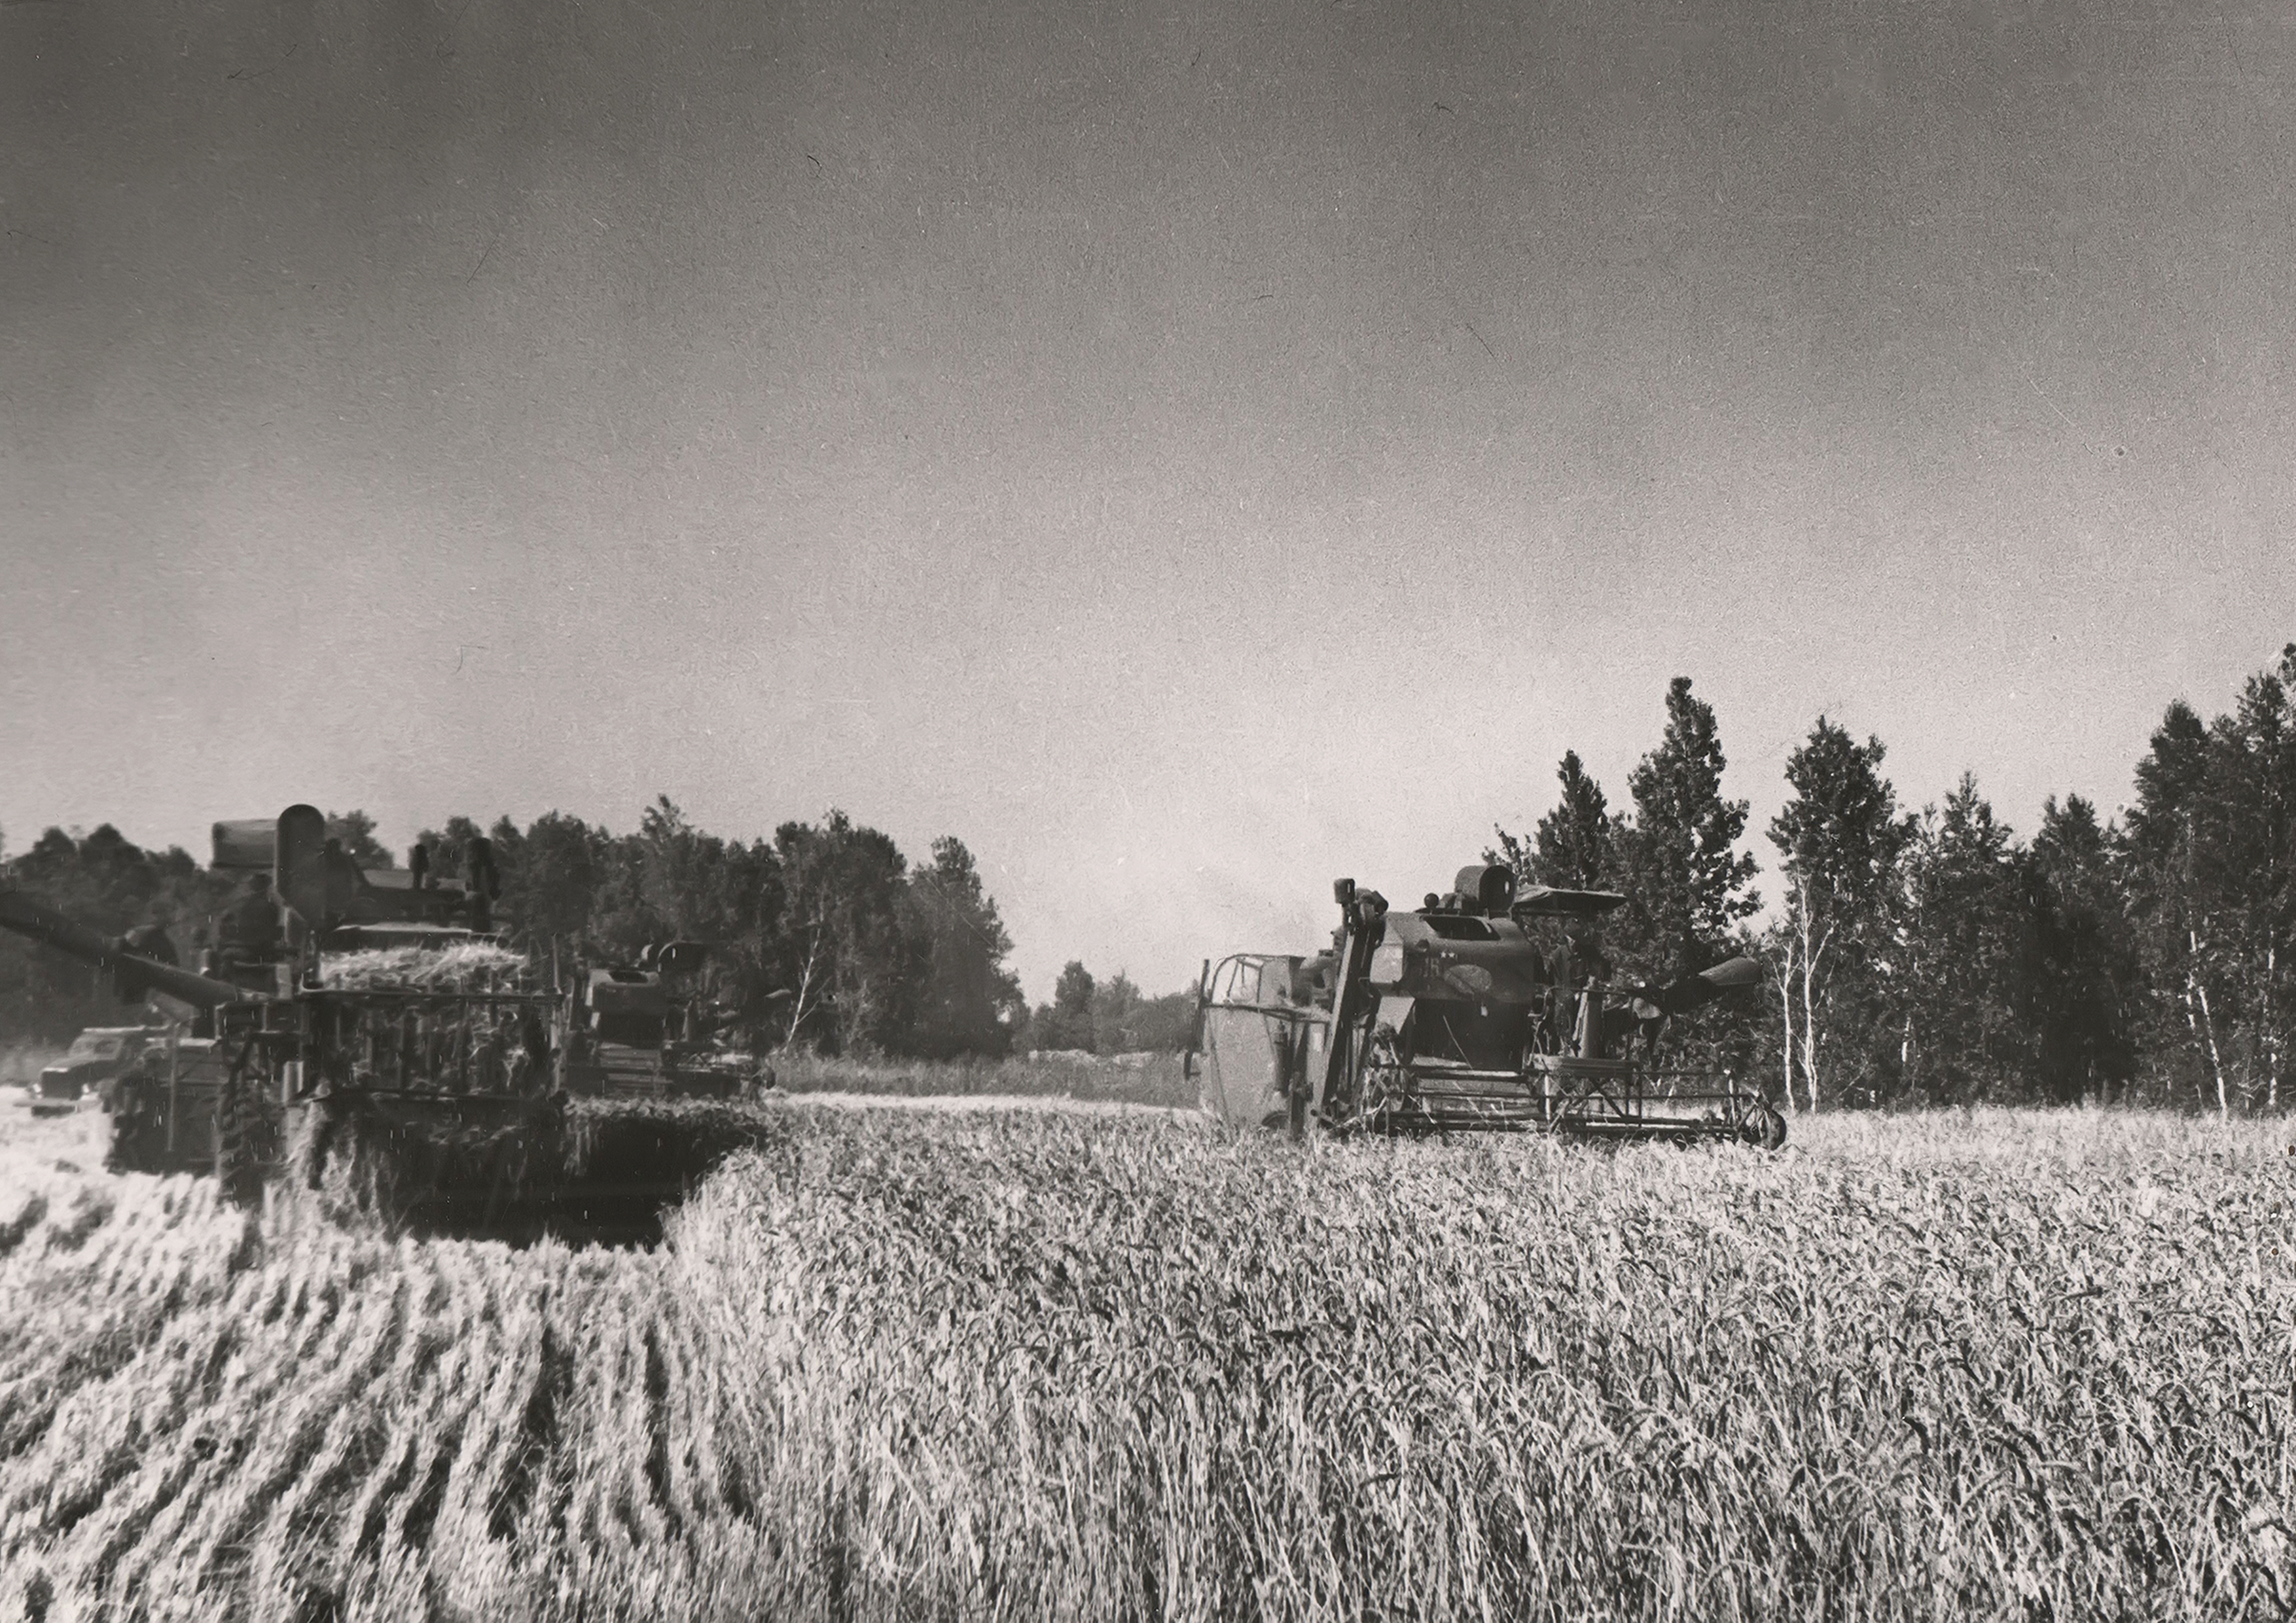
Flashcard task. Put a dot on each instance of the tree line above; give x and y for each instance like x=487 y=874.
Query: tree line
x=1111 y=1016
x=874 y=953
x=1935 y=957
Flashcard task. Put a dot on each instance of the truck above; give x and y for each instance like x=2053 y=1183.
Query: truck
x=96 y=1055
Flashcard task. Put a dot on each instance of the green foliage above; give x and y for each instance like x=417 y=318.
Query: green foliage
x=551 y=874
x=875 y=958
x=1066 y=1023
x=1841 y=843
x=1676 y=856
x=847 y=917
x=356 y=830
x=2082 y=968
x=1685 y=879
x=111 y=886
x=1089 y=1015
x=1840 y=837
x=2209 y=872
x=1575 y=847
x=449 y=847
x=1936 y=959
x=1963 y=955
x=969 y=1002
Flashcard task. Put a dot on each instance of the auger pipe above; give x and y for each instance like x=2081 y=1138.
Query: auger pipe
x=42 y=923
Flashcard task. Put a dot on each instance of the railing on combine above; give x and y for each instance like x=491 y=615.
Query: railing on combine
x=413 y=1042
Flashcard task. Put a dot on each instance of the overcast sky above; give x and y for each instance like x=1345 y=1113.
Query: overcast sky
x=1187 y=453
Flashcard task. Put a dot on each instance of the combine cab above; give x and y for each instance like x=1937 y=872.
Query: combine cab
x=1482 y=1010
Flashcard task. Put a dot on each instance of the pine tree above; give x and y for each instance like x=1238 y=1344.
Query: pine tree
x=1576 y=845
x=1577 y=841
x=1685 y=879
x=2079 y=968
x=1961 y=1034
x=2166 y=904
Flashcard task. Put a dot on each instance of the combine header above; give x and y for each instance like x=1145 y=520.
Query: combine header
x=1482 y=1010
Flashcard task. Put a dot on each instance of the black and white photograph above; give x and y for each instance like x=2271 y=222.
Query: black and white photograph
x=1313 y=810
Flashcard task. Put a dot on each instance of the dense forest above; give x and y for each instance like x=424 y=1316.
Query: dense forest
x=878 y=954
x=1935 y=957
x=1929 y=957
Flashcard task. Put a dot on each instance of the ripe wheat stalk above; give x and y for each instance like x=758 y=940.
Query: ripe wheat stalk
x=1004 y=1365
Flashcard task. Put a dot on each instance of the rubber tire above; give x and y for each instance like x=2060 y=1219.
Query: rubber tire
x=1765 y=1129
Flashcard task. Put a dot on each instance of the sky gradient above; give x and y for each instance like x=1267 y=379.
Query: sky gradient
x=1188 y=453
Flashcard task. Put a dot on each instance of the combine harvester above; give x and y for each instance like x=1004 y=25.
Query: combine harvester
x=1486 y=1009
x=644 y=1031
x=373 y=1015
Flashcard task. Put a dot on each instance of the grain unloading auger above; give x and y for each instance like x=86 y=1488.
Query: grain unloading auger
x=1455 y=1017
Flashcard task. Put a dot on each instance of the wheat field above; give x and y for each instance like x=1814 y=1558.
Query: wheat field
x=1014 y=1364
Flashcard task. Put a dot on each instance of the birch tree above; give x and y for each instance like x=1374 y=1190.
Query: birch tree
x=2211 y=844
x=1840 y=841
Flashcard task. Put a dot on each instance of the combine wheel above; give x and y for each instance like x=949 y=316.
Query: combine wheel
x=1763 y=1128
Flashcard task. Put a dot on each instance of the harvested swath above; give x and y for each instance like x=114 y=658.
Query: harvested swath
x=468 y=966
x=597 y=1170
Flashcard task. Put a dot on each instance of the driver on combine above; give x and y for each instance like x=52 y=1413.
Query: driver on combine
x=249 y=929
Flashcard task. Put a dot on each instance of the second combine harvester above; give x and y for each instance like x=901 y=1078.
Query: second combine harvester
x=1487 y=1008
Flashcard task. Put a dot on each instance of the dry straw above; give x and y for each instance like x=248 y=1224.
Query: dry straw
x=467 y=966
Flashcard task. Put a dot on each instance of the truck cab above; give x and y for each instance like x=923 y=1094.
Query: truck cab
x=95 y=1056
